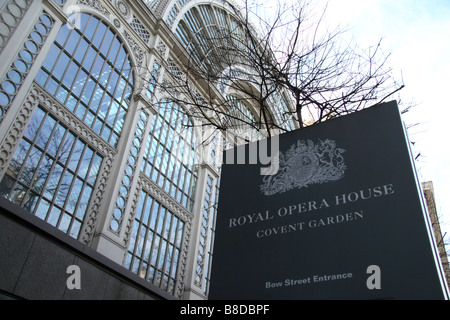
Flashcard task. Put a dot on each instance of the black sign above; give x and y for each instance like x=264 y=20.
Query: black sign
x=340 y=217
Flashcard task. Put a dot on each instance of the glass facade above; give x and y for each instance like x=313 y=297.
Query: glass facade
x=170 y=160
x=96 y=149
x=215 y=41
x=171 y=156
x=89 y=71
x=205 y=32
x=52 y=174
x=156 y=241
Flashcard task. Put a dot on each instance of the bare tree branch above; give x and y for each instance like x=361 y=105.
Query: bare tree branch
x=235 y=75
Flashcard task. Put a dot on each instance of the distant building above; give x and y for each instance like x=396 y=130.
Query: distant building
x=428 y=190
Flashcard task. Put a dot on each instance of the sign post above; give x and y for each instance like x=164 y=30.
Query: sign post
x=341 y=217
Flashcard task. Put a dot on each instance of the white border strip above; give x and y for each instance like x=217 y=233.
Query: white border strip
x=426 y=216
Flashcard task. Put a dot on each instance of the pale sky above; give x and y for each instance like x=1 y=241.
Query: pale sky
x=417 y=34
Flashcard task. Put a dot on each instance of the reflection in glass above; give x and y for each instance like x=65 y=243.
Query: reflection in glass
x=155 y=244
x=95 y=69
x=52 y=174
x=170 y=156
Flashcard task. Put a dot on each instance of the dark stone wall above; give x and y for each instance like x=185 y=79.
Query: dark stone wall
x=34 y=258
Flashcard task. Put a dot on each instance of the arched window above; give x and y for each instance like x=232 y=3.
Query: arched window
x=170 y=160
x=171 y=155
x=211 y=36
x=53 y=171
x=222 y=49
x=89 y=71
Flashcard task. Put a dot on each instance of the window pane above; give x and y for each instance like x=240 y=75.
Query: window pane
x=66 y=147
x=99 y=34
x=159 y=255
x=79 y=83
x=71 y=73
x=85 y=162
x=91 y=27
x=45 y=132
x=84 y=201
x=54 y=216
x=89 y=59
x=52 y=56
x=95 y=167
x=106 y=43
x=75 y=229
x=53 y=181
x=55 y=141
x=42 y=210
x=62 y=36
x=81 y=50
x=72 y=41
x=61 y=65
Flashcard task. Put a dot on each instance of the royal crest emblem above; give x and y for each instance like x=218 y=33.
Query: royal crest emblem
x=304 y=164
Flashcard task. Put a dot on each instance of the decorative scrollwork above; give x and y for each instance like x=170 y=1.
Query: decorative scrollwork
x=306 y=163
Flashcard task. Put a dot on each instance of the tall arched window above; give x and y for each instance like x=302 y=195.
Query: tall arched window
x=155 y=244
x=89 y=71
x=222 y=48
x=170 y=161
x=53 y=171
x=171 y=155
x=211 y=36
